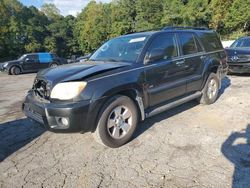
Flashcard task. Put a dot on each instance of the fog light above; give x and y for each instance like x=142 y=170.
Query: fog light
x=65 y=121
x=62 y=123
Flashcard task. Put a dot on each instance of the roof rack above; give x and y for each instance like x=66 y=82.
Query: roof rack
x=184 y=27
x=141 y=31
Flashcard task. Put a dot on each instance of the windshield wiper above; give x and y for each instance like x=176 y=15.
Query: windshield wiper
x=107 y=59
x=111 y=59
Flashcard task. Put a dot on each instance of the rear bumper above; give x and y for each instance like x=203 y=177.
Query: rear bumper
x=50 y=115
x=239 y=67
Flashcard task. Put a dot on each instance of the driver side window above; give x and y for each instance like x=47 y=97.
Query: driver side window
x=163 y=47
x=31 y=59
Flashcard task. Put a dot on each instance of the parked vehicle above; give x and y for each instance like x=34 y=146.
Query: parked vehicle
x=239 y=56
x=32 y=63
x=79 y=59
x=126 y=80
x=82 y=58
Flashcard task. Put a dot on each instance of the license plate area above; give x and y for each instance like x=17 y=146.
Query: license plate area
x=29 y=112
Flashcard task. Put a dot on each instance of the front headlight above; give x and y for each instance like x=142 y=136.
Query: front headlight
x=5 y=65
x=67 y=90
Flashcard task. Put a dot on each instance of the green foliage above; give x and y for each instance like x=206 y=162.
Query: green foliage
x=93 y=26
x=51 y=11
x=220 y=9
x=148 y=14
x=238 y=17
x=123 y=16
x=27 y=29
x=172 y=13
x=195 y=13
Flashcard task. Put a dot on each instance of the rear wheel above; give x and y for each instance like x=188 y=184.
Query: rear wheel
x=117 y=122
x=15 y=70
x=211 y=90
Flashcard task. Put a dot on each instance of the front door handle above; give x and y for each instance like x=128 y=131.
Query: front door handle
x=179 y=63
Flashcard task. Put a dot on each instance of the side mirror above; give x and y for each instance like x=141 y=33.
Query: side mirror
x=88 y=56
x=154 y=55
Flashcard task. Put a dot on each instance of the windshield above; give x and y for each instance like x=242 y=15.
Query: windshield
x=241 y=43
x=126 y=49
x=22 y=57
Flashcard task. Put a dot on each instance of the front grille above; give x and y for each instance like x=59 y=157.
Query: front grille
x=41 y=88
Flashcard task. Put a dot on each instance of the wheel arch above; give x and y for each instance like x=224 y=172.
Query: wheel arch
x=133 y=93
x=212 y=66
x=14 y=65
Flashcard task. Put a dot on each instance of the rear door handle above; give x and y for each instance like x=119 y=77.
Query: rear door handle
x=179 y=63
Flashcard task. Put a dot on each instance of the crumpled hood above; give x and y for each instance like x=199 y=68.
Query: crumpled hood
x=78 y=71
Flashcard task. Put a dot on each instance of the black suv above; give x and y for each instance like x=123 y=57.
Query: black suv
x=31 y=63
x=126 y=80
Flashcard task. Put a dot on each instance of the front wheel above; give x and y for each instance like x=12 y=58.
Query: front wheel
x=117 y=122
x=211 y=90
x=15 y=70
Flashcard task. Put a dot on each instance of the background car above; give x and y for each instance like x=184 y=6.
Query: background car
x=31 y=63
x=239 y=56
x=82 y=58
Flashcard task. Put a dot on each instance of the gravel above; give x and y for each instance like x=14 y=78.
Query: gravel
x=189 y=146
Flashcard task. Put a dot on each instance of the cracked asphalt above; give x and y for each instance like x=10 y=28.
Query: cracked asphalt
x=189 y=146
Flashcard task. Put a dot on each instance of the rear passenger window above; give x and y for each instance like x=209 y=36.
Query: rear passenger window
x=165 y=43
x=210 y=41
x=189 y=44
x=32 y=58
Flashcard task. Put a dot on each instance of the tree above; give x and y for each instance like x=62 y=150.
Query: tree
x=11 y=28
x=172 y=13
x=148 y=14
x=196 y=13
x=238 y=17
x=35 y=23
x=220 y=10
x=51 y=11
x=92 y=26
x=123 y=15
x=27 y=29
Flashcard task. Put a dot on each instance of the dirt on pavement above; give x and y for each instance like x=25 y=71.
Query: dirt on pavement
x=190 y=146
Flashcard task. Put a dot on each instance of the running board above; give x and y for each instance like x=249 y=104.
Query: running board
x=173 y=104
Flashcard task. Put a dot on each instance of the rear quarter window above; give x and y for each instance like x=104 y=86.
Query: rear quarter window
x=45 y=58
x=210 y=41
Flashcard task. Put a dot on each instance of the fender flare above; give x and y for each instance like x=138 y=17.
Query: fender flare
x=99 y=103
x=211 y=66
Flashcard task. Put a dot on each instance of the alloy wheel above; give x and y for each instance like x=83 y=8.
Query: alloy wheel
x=119 y=122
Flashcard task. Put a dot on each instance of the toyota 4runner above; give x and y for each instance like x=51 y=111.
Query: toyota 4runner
x=126 y=80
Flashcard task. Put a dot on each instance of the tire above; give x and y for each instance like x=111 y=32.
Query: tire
x=53 y=65
x=117 y=122
x=15 y=70
x=211 y=90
